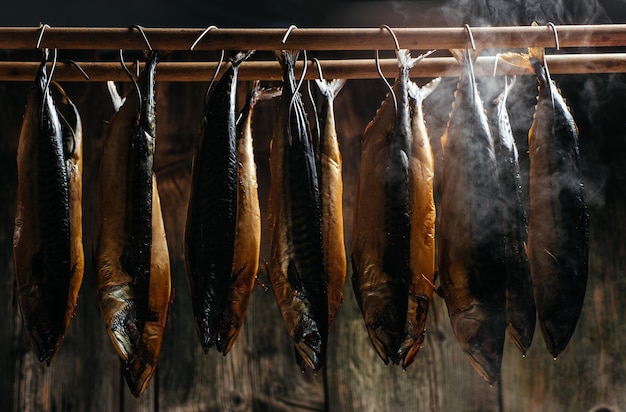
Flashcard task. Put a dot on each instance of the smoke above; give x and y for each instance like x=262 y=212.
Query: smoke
x=523 y=12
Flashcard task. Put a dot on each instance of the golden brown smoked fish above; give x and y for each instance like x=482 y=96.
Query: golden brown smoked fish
x=132 y=259
x=331 y=189
x=381 y=247
x=212 y=212
x=296 y=267
x=471 y=242
x=423 y=215
x=248 y=227
x=47 y=239
x=521 y=312
x=558 y=229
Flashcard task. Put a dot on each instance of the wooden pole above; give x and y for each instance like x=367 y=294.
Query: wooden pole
x=101 y=38
x=332 y=69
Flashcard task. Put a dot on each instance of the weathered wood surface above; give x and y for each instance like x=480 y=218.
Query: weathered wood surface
x=260 y=372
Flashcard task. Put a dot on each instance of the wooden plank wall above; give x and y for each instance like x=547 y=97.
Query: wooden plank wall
x=260 y=373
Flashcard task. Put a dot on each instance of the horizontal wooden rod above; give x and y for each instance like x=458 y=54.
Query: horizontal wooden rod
x=332 y=69
x=103 y=38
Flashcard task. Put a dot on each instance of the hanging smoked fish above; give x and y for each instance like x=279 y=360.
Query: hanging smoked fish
x=132 y=259
x=248 y=227
x=47 y=241
x=211 y=229
x=520 y=304
x=296 y=267
x=331 y=189
x=382 y=251
x=471 y=241
x=558 y=227
x=423 y=216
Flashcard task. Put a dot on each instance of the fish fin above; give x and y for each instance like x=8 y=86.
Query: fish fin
x=269 y=93
x=117 y=100
x=443 y=140
x=537 y=53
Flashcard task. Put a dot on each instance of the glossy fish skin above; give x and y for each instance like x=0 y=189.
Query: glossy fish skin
x=471 y=242
x=133 y=289
x=296 y=267
x=382 y=225
x=248 y=227
x=558 y=233
x=47 y=239
x=329 y=167
x=423 y=216
x=521 y=312
x=212 y=210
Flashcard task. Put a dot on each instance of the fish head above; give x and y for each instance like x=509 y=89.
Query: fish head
x=309 y=343
x=480 y=331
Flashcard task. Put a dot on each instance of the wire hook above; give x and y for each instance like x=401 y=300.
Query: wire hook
x=556 y=35
x=130 y=76
x=382 y=76
x=42 y=29
x=80 y=69
x=395 y=39
x=471 y=36
x=289 y=30
x=495 y=64
x=319 y=68
x=208 y=29
x=143 y=34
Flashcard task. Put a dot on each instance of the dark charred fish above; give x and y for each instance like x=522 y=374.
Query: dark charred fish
x=296 y=267
x=248 y=225
x=331 y=189
x=381 y=251
x=521 y=312
x=423 y=216
x=471 y=241
x=47 y=239
x=132 y=259
x=558 y=227
x=212 y=212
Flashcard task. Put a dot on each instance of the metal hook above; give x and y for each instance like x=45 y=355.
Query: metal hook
x=215 y=73
x=556 y=36
x=208 y=29
x=42 y=28
x=143 y=34
x=395 y=39
x=382 y=76
x=471 y=37
x=80 y=69
x=54 y=64
x=130 y=76
x=289 y=30
x=495 y=65
x=319 y=68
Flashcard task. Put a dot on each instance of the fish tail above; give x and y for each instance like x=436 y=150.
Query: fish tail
x=117 y=100
x=421 y=93
x=287 y=57
x=241 y=57
x=331 y=88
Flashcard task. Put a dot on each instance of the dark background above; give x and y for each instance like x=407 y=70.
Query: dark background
x=260 y=372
